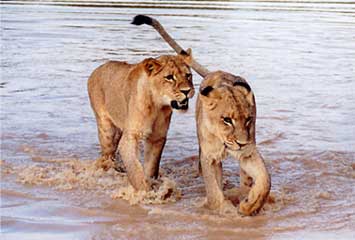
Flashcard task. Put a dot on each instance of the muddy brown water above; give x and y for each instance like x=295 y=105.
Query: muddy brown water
x=299 y=58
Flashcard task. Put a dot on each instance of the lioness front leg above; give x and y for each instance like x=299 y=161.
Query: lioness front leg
x=129 y=151
x=246 y=182
x=154 y=145
x=212 y=175
x=152 y=154
x=254 y=166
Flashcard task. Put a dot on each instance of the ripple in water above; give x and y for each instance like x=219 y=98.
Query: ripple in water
x=297 y=56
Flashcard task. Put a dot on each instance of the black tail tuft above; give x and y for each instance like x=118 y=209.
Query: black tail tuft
x=142 y=19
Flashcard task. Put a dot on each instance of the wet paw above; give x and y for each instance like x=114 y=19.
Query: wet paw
x=119 y=167
x=104 y=163
x=245 y=208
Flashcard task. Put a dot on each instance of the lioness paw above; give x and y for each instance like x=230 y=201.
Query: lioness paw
x=247 y=209
x=104 y=163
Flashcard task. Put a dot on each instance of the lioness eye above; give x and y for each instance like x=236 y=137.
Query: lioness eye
x=227 y=121
x=248 y=121
x=170 y=77
x=188 y=75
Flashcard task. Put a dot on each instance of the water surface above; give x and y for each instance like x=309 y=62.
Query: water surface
x=299 y=58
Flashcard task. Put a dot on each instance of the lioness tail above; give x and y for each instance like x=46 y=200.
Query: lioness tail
x=142 y=19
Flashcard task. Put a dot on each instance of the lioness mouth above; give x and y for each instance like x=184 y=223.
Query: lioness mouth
x=236 y=147
x=232 y=146
x=183 y=105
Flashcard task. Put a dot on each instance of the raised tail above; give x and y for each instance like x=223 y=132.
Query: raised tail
x=142 y=19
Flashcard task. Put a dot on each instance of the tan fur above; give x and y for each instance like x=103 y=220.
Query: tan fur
x=132 y=102
x=218 y=139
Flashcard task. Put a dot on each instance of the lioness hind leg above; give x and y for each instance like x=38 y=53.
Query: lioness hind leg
x=109 y=137
x=254 y=166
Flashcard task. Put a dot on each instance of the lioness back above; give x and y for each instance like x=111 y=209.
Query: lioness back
x=109 y=89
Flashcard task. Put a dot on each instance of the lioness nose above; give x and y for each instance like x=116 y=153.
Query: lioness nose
x=186 y=91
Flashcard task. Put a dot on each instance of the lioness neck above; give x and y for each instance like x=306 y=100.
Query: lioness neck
x=147 y=101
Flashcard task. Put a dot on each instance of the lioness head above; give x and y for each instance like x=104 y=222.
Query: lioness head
x=171 y=79
x=229 y=107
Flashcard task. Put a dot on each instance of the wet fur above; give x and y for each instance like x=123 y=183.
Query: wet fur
x=222 y=94
x=132 y=102
x=229 y=95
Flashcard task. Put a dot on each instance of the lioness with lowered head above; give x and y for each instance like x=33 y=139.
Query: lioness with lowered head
x=134 y=102
x=225 y=119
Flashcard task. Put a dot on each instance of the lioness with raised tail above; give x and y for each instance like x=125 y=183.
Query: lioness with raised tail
x=225 y=119
x=134 y=102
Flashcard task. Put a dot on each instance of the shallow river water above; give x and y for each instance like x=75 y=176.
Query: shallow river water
x=299 y=58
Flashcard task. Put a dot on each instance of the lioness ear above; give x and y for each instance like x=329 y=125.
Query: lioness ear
x=152 y=66
x=189 y=51
x=242 y=83
x=206 y=90
x=209 y=97
x=187 y=56
x=210 y=92
x=250 y=98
